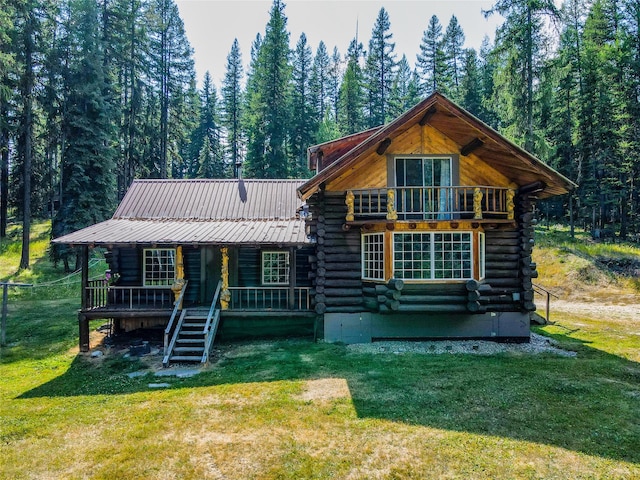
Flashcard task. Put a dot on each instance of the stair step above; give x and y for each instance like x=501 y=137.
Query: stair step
x=191 y=324
x=191 y=332
x=188 y=349
x=186 y=358
x=190 y=340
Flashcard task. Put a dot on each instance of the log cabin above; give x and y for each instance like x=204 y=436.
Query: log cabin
x=424 y=229
x=421 y=228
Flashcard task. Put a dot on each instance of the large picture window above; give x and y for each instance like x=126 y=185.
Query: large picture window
x=373 y=256
x=275 y=268
x=159 y=266
x=433 y=256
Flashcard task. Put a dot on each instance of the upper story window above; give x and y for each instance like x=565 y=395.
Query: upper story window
x=275 y=268
x=424 y=187
x=159 y=266
x=424 y=172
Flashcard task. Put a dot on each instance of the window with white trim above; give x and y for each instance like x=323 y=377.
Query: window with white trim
x=373 y=256
x=275 y=268
x=433 y=256
x=159 y=266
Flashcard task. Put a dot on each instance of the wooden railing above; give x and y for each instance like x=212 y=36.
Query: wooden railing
x=211 y=326
x=269 y=298
x=177 y=307
x=430 y=203
x=99 y=294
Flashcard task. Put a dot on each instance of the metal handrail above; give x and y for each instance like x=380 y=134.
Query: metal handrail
x=177 y=306
x=210 y=327
x=540 y=290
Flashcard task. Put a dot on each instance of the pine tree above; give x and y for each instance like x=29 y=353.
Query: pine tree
x=320 y=79
x=232 y=107
x=430 y=62
x=88 y=187
x=268 y=101
x=452 y=43
x=520 y=40
x=304 y=115
x=406 y=89
x=7 y=64
x=379 y=70
x=470 y=91
x=171 y=57
x=351 y=118
x=335 y=78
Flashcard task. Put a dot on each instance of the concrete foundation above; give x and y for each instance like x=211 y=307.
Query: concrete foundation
x=366 y=326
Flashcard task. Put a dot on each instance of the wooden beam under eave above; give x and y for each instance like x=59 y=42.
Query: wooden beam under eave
x=431 y=111
x=384 y=144
x=474 y=144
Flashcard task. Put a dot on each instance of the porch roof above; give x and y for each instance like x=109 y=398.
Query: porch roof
x=167 y=232
x=222 y=212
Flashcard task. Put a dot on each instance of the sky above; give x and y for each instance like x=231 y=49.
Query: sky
x=212 y=25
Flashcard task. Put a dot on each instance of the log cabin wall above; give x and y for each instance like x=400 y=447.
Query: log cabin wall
x=336 y=267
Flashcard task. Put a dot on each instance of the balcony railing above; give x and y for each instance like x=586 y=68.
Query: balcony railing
x=430 y=203
x=269 y=298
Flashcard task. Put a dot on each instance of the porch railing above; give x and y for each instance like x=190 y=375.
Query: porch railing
x=269 y=298
x=430 y=203
x=99 y=294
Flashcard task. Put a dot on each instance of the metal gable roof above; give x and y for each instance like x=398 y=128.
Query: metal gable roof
x=223 y=212
x=458 y=125
x=200 y=200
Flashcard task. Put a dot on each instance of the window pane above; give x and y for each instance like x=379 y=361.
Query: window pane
x=159 y=266
x=373 y=256
x=275 y=268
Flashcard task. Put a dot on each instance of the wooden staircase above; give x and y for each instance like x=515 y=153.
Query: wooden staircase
x=193 y=334
x=190 y=338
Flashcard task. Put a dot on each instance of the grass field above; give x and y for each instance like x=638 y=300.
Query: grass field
x=295 y=409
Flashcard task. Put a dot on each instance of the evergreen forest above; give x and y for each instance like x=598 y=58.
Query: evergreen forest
x=96 y=93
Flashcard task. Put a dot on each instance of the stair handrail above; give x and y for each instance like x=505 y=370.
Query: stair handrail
x=174 y=339
x=177 y=306
x=211 y=326
x=212 y=308
x=539 y=289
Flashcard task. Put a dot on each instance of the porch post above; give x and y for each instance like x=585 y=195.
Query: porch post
x=84 y=300
x=83 y=327
x=292 y=278
x=225 y=295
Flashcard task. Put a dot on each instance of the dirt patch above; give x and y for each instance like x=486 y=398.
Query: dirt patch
x=325 y=389
x=619 y=311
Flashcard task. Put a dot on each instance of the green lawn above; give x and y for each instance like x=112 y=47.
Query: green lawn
x=296 y=409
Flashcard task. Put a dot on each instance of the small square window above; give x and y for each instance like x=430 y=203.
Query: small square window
x=275 y=268
x=159 y=266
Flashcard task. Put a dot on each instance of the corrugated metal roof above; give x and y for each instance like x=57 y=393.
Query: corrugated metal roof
x=210 y=200
x=220 y=232
x=223 y=212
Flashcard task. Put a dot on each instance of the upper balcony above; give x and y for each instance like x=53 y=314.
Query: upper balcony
x=476 y=203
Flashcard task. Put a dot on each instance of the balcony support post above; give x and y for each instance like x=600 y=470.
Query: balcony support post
x=392 y=214
x=477 y=203
x=350 y=202
x=511 y=193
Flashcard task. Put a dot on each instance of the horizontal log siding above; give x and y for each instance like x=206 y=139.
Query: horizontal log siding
x=335 y=268
x=509 y=268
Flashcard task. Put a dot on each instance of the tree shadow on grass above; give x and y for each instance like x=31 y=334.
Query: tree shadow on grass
x=587 y=404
